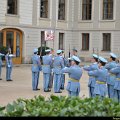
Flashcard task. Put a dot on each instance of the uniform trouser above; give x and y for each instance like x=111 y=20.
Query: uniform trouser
x=57 y=82
x=8 y=73
x=46 y=81
x=117 y=95
x=51 y=80
x=0 y=70
x=110 y=90
x=35 y=80
x=71 y=93
x=91 y=91
x=62 y=80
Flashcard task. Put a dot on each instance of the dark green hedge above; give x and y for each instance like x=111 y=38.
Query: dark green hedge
x=3 y=50
x=42 y=50
x=62 y=106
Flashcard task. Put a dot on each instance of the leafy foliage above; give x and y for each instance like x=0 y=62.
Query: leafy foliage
x=41 y=50
x=3 y=50
x=62 y=106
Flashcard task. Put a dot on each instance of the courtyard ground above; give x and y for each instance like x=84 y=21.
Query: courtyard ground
x=21 y=86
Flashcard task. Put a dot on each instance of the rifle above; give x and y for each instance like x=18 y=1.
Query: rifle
x=97 y=52
x=69 y=50
x=93 y=51
x=41 y=54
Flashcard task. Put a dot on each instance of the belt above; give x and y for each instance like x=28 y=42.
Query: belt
x=35 y=64
x=57 y=67
x=118 y=78
x=112 y=74
x=45 y=65
x=73 y=80
x=99 y=82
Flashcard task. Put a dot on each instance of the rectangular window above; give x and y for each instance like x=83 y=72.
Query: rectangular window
x=12 y=7
x=43 y=42
x=61 y=10
x=85 y=41
x=44 y=9
x=107 y=9
x=86 y=9
x=106 y=41
x=61 y=41
x=1 y=39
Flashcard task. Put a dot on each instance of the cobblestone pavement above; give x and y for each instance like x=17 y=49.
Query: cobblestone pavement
x=21 y=86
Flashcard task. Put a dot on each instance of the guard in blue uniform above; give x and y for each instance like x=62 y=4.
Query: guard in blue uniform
x=74 y=52
x=51 y=74
x=116 y=71
x=9 y=65
x=101 y=78
x=111 y=77
x=58 y=65
x=36 y=68
x=1 y=55
x=46 y=68
x=63 y=75
x=92 y=80
x=75 y=73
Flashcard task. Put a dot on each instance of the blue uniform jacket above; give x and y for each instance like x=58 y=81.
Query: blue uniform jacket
x=47 y=64
x=101 y=76
x=36 y=66
x=1 y=55
x=111 y=78
x=9 y=62
x=75 y=72
x=58 y=65
x=116 y=71
x=92 y=79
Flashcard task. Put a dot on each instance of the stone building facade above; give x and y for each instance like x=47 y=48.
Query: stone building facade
x=87 y=25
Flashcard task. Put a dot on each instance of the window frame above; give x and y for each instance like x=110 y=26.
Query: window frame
x=47 y=16
x=87 y=44
x=65 y=3
x=104 y=45
x=88 y=15
x=107 y=14
x=43 y=42
x=17 y=8
x=1 y=38
x=59 y=42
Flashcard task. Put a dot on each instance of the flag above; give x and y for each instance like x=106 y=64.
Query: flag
x=49 y=35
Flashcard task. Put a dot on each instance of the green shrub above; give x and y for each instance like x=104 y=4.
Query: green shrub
x=43 y=50
x=62 y=106
x=3 y=50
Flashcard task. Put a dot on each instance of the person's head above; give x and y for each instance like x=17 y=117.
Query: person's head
x=75 y=60
x=63 y=53
x=52 y=51
x=35 y=51
x=94 y=58
x=102 y=61
x=9 y=51
x=59 y=52
x=47 y=51
x=113 y=57
x=74 y=51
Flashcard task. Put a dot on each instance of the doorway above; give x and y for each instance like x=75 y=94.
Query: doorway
x=12 y=39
